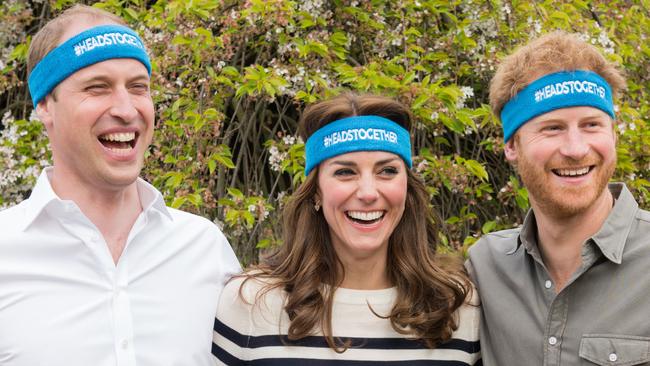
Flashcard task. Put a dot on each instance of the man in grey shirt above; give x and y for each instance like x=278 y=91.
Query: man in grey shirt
x=572 y=285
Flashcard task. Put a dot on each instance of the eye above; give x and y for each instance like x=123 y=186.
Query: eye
x=96 y=88
x=593 y=124
x=140 y=87
x=389 y=171
x=552 y=128
x=344 y=172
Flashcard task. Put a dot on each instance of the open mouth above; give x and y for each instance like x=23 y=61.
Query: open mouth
x=572 y=172
x=365 y=218
x=121 y=142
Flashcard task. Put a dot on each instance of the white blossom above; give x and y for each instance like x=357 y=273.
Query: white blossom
x=605 y=42
x=468 y=92
x=276 y=157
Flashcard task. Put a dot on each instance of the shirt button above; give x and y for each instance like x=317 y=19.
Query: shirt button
x=552 y=341
x=125 y=344
x=548 y=284
x=613 y=357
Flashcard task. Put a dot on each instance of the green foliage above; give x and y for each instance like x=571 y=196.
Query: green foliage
x=231 y=78
x=23 y=153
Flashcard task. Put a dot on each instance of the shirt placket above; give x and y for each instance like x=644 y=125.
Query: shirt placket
x=559 y=309
x=122 y=316
x=554 y=332
x=118 y=277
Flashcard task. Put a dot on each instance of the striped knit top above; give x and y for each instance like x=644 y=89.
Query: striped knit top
x=248 y=333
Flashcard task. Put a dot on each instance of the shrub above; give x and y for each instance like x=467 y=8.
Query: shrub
x=231 y=78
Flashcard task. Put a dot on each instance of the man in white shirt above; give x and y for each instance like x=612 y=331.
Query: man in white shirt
x=94 y=268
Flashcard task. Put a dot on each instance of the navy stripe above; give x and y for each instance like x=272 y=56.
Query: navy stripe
x=320 y=342
x=232 y=335
x=316 y=362
x=226 y=357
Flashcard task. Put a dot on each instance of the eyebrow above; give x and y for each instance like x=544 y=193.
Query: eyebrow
x=139 y=77
x=351 y=163
x=585 y=118
x=107 y=79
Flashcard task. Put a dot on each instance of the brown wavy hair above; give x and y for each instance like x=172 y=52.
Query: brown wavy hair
x=429 y=288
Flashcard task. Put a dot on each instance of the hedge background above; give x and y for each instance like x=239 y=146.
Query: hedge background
x=231 y=78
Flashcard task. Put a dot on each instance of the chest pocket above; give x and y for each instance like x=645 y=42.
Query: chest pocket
x=615 y=350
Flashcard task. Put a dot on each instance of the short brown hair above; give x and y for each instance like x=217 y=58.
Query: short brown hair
x=552 y=52
x=48 y=37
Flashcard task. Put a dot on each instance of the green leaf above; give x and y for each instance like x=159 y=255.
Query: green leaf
x=19 y=53
x=230 y=71
x=131 y=13
x=236 y=193
x=476 y=168
x=174 y=179
x=263 y=244
x=452 y=220
x=419 y=101
x=212 y=166
x=178 y=202
x=488 y=227
x=451 y=123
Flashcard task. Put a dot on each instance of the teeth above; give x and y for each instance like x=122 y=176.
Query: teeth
x=572 y=172
x=121 y=151
x=365 y=216
x=120 y=137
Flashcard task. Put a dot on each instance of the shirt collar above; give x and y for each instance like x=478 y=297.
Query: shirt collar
x=528 y=237
x=151 y=198
x=43 y=195
x=611 y=237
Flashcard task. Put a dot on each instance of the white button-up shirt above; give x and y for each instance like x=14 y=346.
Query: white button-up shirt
x=64 y=302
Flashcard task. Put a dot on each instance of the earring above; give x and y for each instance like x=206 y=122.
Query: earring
x=317 y=205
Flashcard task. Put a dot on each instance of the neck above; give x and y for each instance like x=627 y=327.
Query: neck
x=560 y=239
x=366 y=274
x=113 y=212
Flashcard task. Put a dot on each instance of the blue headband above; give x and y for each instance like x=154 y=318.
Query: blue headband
x=554 y=91
x=358 y=133
x=86 y=48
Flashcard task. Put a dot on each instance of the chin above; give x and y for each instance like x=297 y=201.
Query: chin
x=123 y=179
x=569 y=203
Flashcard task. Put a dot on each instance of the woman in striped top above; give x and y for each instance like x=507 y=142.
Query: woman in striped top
x=357 y=280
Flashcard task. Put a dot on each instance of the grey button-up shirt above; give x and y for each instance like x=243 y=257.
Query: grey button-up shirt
x=601 y=317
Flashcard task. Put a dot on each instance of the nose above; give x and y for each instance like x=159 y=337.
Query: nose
x=576 y=145
x=122 y=106
x=367 y=188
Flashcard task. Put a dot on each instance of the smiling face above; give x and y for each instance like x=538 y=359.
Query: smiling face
x=100 y=122
x=363 y=196
x=565 y=158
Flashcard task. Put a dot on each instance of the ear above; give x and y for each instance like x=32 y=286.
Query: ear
x=44 y=110
x=510 y=149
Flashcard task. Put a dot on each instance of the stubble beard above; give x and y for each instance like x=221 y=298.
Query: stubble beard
x=564 y=201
